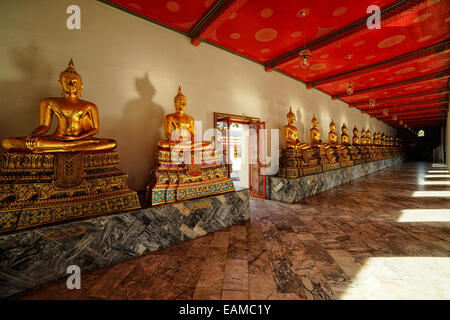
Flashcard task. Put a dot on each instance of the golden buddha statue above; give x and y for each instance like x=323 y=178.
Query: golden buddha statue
x=322 y=151
x=291 y=133
x=314 y=132
x=179 y=127
x=355 y=139
x=67 y=175
x=77 y=122
x=368 y=137
x=185 y=169
x=332 y=135
x=297 y=159
x=345 y=140
x=363 y=137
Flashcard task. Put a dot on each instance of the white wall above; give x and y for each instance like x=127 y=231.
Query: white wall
x=131 y=69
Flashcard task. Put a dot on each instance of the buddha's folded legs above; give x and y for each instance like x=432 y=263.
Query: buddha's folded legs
x=50 y=144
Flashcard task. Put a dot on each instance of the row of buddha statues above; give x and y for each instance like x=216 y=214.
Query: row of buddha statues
x=71 y=174
x=301 y=159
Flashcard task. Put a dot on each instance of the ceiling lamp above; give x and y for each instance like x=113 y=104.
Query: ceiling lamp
x=349 y=87
x=394 y=117
x=400 y=122
x=385 y=112
x=372 y=103
x=305 y=54
x=405 y=125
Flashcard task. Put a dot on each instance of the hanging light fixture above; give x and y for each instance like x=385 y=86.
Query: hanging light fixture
x=305 y=54
x=385 y=112
x=349 y=87
x=400 y=122
x=372 y=103
x=394 y=117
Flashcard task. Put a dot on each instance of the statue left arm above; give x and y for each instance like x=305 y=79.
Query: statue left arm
x=92 y=115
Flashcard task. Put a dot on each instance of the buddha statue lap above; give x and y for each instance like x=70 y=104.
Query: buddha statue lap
x=297 y=158
x=186 y=169
x=65 y=175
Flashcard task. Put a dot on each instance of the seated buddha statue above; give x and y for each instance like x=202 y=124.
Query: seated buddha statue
x=355 y=139
x=355 y=148
x=179 y=127
x=67 y=175
x=185 y=168
x=368 y=137
x=77 y=122
x=291 y=133
x=345 y=140
x=363 y=137
x=314 y=133
x=332 y=135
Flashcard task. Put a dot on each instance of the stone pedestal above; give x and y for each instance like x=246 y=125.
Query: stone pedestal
x=37 y=189
x=294 y=190
x=31 y=258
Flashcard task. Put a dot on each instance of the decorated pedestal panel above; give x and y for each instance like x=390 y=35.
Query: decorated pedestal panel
x=37 y=189
x=178 y=178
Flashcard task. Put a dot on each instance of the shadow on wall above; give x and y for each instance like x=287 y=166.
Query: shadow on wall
x=300 y=126
x=141 y=129
x=19 y=103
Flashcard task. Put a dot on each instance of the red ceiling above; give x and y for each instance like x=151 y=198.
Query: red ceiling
x=272 y=32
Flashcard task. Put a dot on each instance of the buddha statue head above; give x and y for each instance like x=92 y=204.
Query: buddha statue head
x=70 y=81
x=180 y=101
x=314 y=121
x=344 y=129
x=291 y=118
x=355 y=131
x=332 y=126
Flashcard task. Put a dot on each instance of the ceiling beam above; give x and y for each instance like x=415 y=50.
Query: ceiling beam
x=419 y=117
x=430 y=51
x=396 y=11
x=436 y=75
x=213 y=19
x=411 y=121
x=416 y=94
x=422 y=110
x=399 y=106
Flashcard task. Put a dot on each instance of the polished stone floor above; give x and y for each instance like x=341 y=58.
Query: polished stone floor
x=384 y=236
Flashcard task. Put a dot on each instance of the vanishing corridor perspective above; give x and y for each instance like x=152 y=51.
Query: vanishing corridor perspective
x=384 y=236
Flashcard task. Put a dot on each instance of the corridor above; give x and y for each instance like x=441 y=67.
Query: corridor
x=384 y=236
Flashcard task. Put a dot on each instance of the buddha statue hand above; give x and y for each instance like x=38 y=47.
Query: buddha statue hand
x=31 y=141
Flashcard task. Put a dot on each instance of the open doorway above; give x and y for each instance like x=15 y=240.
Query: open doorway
x=241 y=145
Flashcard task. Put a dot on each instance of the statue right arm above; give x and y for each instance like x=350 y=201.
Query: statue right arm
x=46 y=113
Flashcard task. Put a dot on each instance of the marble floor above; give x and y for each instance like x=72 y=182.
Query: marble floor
x=384 y=236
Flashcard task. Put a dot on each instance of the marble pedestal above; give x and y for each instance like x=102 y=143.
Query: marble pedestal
x=294 y=190
x=34 y=257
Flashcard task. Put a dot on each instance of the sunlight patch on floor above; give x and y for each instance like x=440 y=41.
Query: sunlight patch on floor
x=439 y=165
x=437 y=176
x=401 y=278
x=441 y=194
x=434 y=183
x=425 y=215
x=437 y=171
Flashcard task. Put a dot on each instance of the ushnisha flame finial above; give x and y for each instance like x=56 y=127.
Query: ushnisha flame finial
x=70 y=70
x=290 y=113
x=179 y=95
